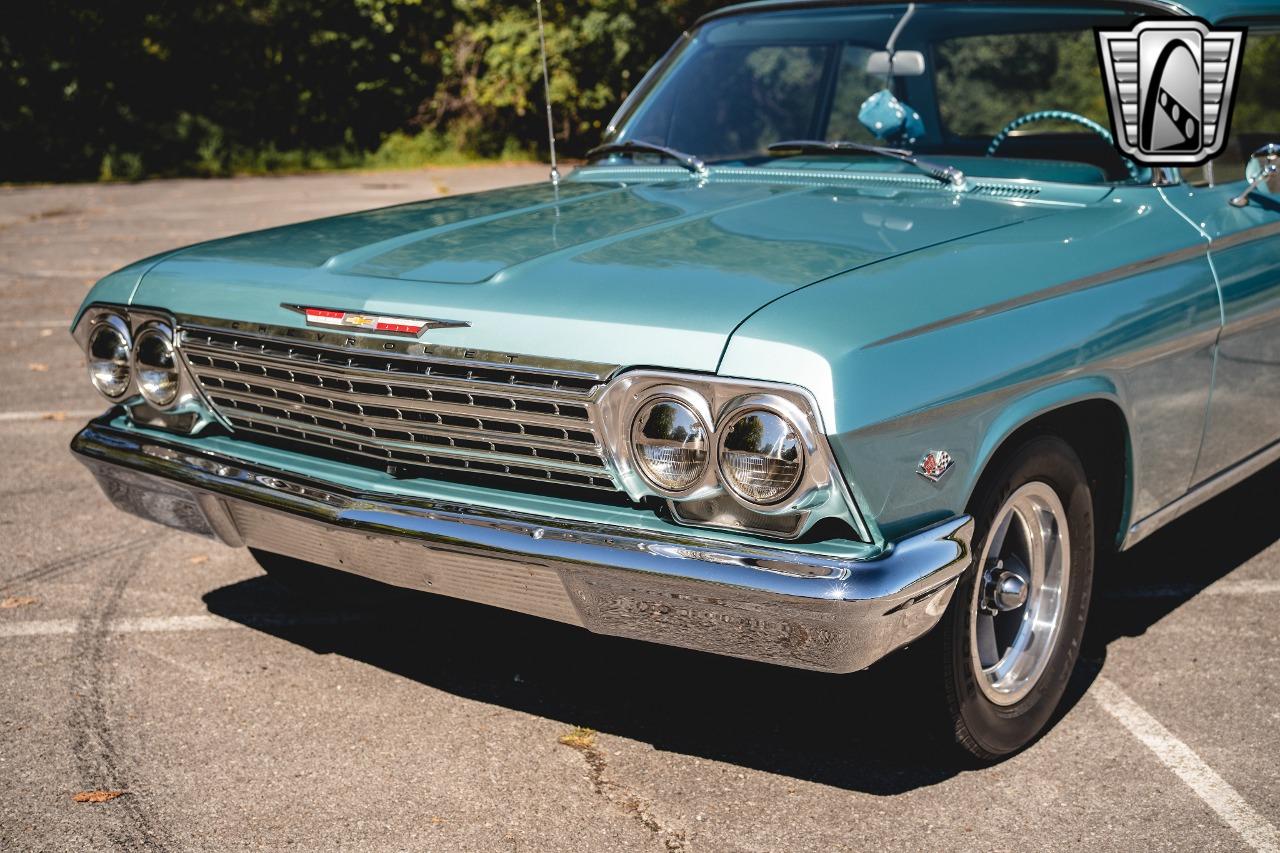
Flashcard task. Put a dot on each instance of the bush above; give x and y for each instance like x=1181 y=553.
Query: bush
x=124 y=89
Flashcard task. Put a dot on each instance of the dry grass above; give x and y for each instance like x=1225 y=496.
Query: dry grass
x=579 y=738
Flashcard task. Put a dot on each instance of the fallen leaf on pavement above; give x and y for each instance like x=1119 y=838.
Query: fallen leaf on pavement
x=12 y=601
x=198 y=559
x=54 y=416
x=579 y=738
x=97 y=796
x=37 y=367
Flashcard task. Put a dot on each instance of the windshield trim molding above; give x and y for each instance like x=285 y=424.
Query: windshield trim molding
x=1168 y=7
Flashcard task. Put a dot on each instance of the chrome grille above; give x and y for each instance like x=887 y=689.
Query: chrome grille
x=403 y=412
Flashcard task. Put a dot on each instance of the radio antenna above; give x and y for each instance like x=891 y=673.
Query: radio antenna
x=546 y=90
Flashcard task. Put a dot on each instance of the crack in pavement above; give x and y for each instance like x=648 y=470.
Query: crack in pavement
x=93 y=744
x=622 y=798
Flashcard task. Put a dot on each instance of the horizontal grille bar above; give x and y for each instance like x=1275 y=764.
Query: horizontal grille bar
x=399 y=388
x=357 y=452
x=403 y=440
x=362 y=403
x=482 y=374
x=405 y=413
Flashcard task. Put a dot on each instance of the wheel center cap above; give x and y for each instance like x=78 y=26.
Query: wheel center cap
x=1005 y=590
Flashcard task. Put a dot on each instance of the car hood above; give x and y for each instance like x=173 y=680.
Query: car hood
x=649 y=273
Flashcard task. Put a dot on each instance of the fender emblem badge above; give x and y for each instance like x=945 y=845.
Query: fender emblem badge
x=336 y=318
x=935 y=464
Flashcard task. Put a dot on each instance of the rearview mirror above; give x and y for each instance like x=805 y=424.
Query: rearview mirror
x=1263 y=171
x=903 y=63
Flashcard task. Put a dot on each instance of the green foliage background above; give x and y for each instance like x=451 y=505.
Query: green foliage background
x=122 y=89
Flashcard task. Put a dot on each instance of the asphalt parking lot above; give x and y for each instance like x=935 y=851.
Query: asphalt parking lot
x=234 y=716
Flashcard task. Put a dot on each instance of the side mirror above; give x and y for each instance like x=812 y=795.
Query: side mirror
x=1263 y=171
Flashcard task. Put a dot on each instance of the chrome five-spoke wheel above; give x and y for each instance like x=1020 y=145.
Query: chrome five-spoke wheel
x=1018 y=600
x=1012 y=633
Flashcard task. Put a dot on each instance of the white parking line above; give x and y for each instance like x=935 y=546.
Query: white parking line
x=158 y=624
x=1189 y=767
x=48 y=416
x=1242 y=587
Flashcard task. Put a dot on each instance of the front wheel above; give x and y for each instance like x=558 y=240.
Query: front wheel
x=1011 y=637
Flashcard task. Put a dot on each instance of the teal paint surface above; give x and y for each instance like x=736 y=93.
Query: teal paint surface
x=657 y=273
x=118 y=287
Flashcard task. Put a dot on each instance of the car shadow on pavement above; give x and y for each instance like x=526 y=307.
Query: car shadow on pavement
x=872 y=731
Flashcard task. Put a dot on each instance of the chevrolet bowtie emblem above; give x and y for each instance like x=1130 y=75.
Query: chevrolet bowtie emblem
x=1170 y=84
x=336 y=318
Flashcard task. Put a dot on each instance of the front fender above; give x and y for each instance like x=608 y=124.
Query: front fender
x=119 y=287
x=935 y=352
x=973 y=431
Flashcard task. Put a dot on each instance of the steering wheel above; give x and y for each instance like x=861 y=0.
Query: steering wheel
x=1058 y=115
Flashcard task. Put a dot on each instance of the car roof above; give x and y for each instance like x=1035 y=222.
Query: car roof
x=1212 y=11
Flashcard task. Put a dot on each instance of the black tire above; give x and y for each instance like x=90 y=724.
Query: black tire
x=320 y=584
x=981 y=727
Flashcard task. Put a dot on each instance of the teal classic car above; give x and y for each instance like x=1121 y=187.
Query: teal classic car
x=856 y=331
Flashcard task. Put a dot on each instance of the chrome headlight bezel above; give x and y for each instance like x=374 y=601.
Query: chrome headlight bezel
x=188 y=411
x=107 y=322
x=820 y=492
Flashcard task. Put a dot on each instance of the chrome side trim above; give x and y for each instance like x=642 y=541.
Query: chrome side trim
x=1083 y=283
x=1248 y=235
x=785 y=606
x=1207 y=490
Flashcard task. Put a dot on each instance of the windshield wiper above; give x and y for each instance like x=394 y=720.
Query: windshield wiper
x=635 y=146
x=949 y=175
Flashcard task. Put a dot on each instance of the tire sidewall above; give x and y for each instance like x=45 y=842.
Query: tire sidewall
x=988 y=729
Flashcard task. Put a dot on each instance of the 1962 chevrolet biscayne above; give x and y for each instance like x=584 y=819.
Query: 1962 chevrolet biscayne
x=778 y=398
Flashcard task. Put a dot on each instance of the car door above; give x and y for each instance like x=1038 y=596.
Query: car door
x=1244 y=409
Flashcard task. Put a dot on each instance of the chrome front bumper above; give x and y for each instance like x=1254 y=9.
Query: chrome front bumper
x=763 y=603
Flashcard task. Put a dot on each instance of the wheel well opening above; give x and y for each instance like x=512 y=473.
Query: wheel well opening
x=1099 y=434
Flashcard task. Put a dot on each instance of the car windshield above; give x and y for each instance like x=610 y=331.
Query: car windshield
x=962 y=72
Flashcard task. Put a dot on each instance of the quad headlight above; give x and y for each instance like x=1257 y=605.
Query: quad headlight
x=724 y=452
x=155 y=365
x=108 y=351
x=761 y=456
x=670 y=445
